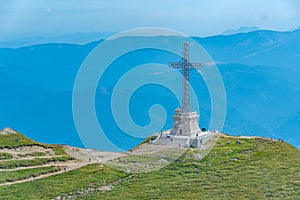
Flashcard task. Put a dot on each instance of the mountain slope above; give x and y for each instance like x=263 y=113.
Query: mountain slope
x=36 y=97
x=267 y=48
x=255 y=169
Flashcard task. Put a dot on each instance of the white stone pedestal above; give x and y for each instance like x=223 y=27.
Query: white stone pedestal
x=185 y=124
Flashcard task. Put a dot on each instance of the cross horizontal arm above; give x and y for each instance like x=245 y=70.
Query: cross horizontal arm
x=182 y=64
x=197 y=65
x=176 y=64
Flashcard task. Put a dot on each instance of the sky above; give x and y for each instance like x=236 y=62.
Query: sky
x=191 y=17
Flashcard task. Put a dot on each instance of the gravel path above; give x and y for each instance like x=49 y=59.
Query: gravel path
x=82 y=157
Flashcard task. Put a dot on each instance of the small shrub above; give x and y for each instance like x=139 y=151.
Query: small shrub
x=5 y=156
x=32 y=154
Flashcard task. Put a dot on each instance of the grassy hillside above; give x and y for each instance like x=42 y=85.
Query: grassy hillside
x=255 y=169
x=22 y=159
x=15 y=140
x=9 y=176
x=71 y=181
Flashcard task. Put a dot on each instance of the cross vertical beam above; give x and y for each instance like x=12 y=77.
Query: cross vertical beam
x=185 y=66
x=186 y=79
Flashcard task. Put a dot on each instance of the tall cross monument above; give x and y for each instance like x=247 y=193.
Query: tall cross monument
x=185 y=121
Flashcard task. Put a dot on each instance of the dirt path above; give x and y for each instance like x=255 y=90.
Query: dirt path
x=83 y=157
x=16 y=152
x=92 y=156
x=39 y=166
x=72 y=166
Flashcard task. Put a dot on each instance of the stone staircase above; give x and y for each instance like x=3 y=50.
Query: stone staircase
x=171 y=141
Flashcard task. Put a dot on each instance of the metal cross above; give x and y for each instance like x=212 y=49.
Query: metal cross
x=186 y=66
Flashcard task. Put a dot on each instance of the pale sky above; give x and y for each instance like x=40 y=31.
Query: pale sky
x=192 y=17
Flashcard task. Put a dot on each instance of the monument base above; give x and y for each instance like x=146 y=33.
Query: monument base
x=185 y=124
x=185 y=132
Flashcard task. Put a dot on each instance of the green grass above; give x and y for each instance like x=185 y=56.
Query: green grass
x=11 y=164
x=5 y=156
x=256 y=169
x=263 y=170
x=33 y=154
x=15 y=140
x=59 y=150
x=56 y=185
x=18 y=140
x=11 y=176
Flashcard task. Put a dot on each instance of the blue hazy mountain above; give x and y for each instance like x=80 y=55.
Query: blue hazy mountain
x=16 y=41
x=268 y=48
x=260 y=71
x=243 y=29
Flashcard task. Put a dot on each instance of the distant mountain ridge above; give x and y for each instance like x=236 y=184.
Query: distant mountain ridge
x=74 y=38
x=260 y=71
x=244 y=29
x=8 y=40
x=256 y=48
